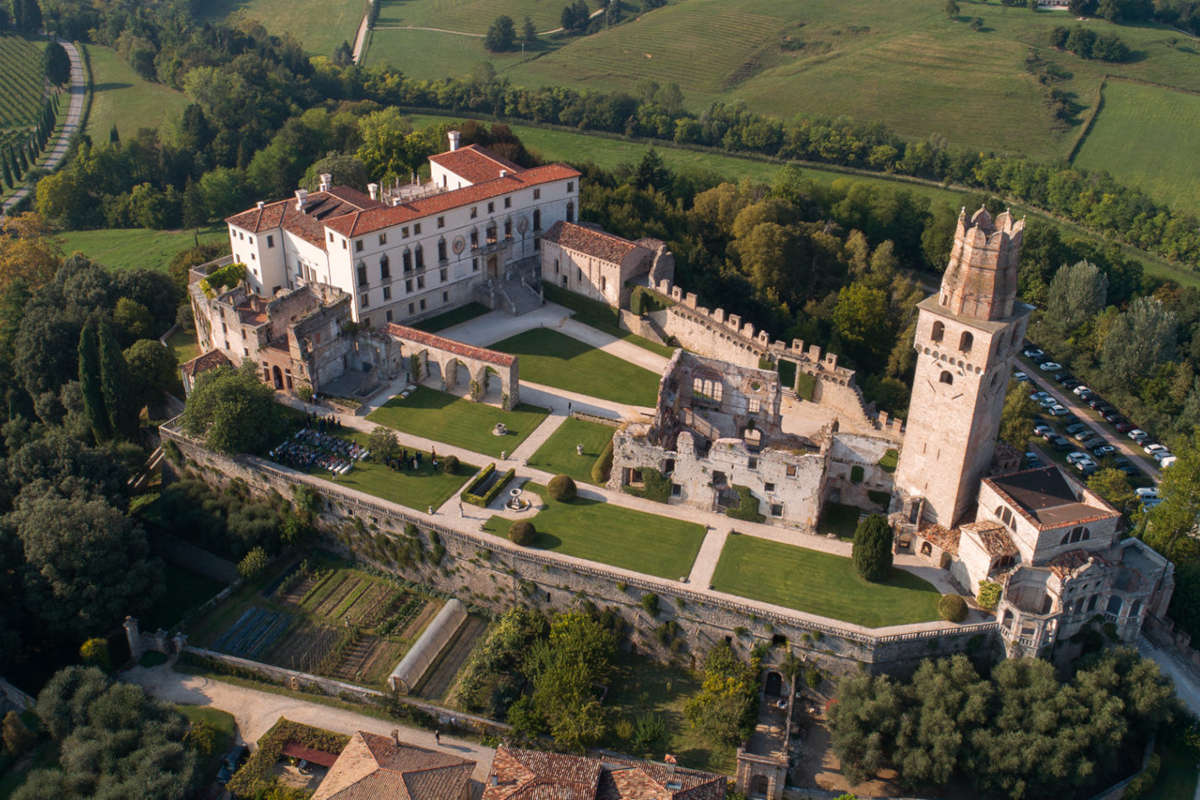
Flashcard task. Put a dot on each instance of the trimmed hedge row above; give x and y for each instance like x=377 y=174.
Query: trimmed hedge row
x=602 y=466
x=484 y=500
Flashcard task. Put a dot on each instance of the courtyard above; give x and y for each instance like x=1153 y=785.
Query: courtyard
x=820 y=583
x=554 y=359
x=445 y=418
x=611 y=534
x=559 y=453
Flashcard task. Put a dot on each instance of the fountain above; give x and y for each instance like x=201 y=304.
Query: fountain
x=516 y=502
x=500 y=429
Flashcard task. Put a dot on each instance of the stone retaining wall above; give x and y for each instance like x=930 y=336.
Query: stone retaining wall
x=493 y=573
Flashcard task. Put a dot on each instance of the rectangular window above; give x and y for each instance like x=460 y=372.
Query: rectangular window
x=474 y=211
x=753 y=463
x=331 y=238
x=754 y=405
x=362 y=274
x=570 y=186
x=404 y=232
x=768 y=487
x=270 y=241
x=364 y=300
x=445 y=297
x=474 y=265
x=343 y=244
x=251 y=240
x=676 y=490
x=442 y=274
x=776 y=509
x=491 y=207
x=408 y=286
x=358 y=245
x=385 y=269
x=383 y=238
x=441 y=222
x=253 y=258
x=387 y=293
x=422 y=305
x=417 y=229
x=508 y=202
x=791 y=470
x=537 y=194
x=474 y=239
x=407 y=261
x=420 y=282
x=410 y=309
x=389 y=315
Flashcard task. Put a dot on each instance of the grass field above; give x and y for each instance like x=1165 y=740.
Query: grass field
x=135 y=248
x=820 y=583
x=558 y=454
x=446 y=418
x=550 y=358
x=611 y=534
x=451 y=318
x=1137 y=130
x=183 y=343
x=319 y=26
x=22 y=85
x=902 y=63
x=124 y=98
x=418 y=490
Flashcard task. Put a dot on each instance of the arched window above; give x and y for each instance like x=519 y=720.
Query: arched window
x=537 y=219
x=965 y=341
x=946 y=377
x=570 y=211
x=939 y=330
x=407 y=259
x=385 y=268
x=420 y=257
x=707 y=388
x=1114 y=605
x=490 y=232
x=1076 y=534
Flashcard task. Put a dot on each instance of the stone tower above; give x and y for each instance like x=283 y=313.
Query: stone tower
x=966 y=338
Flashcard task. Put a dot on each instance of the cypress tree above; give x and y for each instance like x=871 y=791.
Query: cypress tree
x=115 y=385
x=23 y=159
x=89 y=383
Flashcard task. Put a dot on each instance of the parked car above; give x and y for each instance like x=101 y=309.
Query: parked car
x=1086 y=467
x=1071 y=383
x=1038 y=396
x=1151 y=449
x=1130 y=470
x=1162 y=455
x=1033 y=353
x=1047 y=402
x=1086 y=395
x=1138 y=435
x=1060 y=442
x=1077 y=455
x=1050 y=366
x=1043 y=430
x=1057 y=411
x=1079 y=390
x=1124 y=426
x=1069 y=419
x=1032 y=460
x=1113 y=418
x=1167 y=461
x=1020 y=376
x=1096 y=402
x=1078 y=427
x=1151 y=502
x=1102 y=449
x=1146 y=492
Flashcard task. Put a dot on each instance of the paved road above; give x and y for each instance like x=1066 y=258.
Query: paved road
x=256 y=711
x=66 y=133
x=1080 y=409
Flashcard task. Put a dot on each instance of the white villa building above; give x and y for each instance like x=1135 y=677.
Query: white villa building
x=411 y=251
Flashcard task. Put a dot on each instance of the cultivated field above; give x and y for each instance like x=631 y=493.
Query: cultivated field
x=319 y=26
x=22 y=86
x=1136 y=137
x=136 y=248
x=126 y=99
x=330 y=620
x=902 y=63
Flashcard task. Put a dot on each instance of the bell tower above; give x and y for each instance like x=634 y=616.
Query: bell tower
x=967 y=336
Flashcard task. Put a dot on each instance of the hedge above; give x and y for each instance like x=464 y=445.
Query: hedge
x=656 y=486
x=561 y=488
x=602 y=466
x=522 y=532
x=952 y=608
x=485 y=500
x=747 y=507
x=256 y=776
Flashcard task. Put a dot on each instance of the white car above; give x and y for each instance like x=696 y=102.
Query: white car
x=1162 y=455
x=1077 y=455
x=1057 y=411
x=1080 y=389
x=1138 y=435
x=1145 y=492
x=1050 y=366
x=1151 y=449
x=1020 y=376
x=1167 y=461
x=1047 y=402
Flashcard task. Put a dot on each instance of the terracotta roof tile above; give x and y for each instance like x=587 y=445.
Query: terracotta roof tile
x=373 y=767
x=532 y=775
x=319 y=757
x=589 y=241
x=450 y=345
x=203 y=363
x=946 y=540
x=319 y=208
x=474 y=163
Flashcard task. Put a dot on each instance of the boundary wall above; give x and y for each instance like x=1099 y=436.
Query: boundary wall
x=491 y=572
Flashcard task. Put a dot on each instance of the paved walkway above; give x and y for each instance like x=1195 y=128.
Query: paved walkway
x=66 y=133
x=1080 y=409
x=549 y=425
x=256 y=711
x=706 y=561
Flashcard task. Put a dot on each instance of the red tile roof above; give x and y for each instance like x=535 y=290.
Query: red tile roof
x=294 y=749
x=533 y=775
x=590 y=241
x=943 y=539
x=1047 y=499
x=203 y=363
x=359 y=223
x=474 y=163
x=450 y=345
x=319 y=208
x=373 y=767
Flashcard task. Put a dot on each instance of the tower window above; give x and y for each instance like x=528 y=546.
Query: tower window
x=939 y=330
x=946 y=377
x=965 y=341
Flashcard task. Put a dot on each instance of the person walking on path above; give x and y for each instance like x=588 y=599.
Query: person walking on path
x=437 y=737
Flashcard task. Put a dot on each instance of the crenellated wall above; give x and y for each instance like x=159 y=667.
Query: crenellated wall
x=491 y=572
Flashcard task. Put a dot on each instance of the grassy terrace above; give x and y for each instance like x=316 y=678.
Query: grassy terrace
x=136 y=248
x=451 y=318
x=558 y=453
x=611 y=534
x=126 y=99
x=550 y=358
x=415 y=489
x=600 y=316
x=446 y=418
x=820 y=583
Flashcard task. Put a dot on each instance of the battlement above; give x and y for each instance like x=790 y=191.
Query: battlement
x=754 y=345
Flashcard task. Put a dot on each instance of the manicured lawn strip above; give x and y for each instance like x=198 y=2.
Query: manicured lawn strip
x=600 y=316
x=558 y=454
x=184 y=591
x=136 y=248
x=419 y=490
x=553 y=359
x=451 y=318
x=611 y=534
x=126 y=99
x=445 y=418
x=820 y=583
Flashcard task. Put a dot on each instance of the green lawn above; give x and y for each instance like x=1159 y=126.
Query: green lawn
x=558 y=454
x=136 y=248
x=600 y=316
x=820 y=583
x=225 y=726
x=418 y=490
x=183 y=591
x=451 y=318
x=552 y=359
x=183 y=343
x=445 y=418
x=615 y=535
x=319 y=25
x=1136 y=133
x=124 y=98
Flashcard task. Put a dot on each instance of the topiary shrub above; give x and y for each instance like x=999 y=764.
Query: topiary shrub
x=522 y=532
x=952 y=608
x=561 y=488
x=872 y=554
x=450 y=465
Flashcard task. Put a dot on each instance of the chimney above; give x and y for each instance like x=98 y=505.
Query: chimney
x=373 y=190
x=326 y=181
x=396 y=736
x=454 y=137
x=260 y=205
x=301 y=199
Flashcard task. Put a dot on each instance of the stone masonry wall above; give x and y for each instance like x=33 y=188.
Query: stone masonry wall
x=492 y=573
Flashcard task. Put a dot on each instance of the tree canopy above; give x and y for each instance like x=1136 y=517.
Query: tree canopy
x=233 y=411
x=872 y=553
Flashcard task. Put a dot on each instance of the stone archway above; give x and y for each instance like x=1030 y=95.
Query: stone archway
x=277 y=377
x=773 y=685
